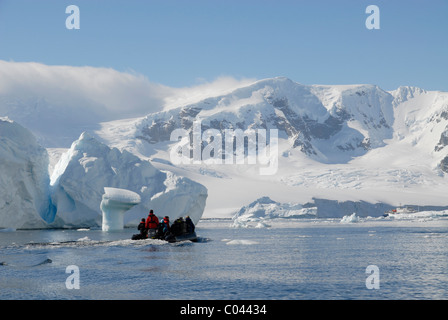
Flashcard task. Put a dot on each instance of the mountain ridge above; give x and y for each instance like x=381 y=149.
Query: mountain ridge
x=355 y=118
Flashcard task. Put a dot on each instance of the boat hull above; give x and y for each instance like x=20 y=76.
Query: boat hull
x=182 y=237
x=170 y=238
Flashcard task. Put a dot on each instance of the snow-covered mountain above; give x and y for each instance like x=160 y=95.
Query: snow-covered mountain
x=340 y=143
x=328 y=124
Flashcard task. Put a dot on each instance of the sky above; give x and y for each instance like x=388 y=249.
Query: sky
x=183 y=43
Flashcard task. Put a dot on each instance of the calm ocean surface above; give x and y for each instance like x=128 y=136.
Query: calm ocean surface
x=309 y=259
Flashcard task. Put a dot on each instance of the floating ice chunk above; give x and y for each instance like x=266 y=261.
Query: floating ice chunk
x=262 y=224
x=239 y=224
x=114 y=204
x=350 y=219
x=264 y=209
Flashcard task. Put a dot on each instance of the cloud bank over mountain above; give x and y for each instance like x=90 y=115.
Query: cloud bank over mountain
x=74 y=99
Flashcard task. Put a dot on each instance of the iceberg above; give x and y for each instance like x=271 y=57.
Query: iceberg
x=89 y=166
x=114 y=205
x=353 y=218
x=24 y=180
x=265 y=209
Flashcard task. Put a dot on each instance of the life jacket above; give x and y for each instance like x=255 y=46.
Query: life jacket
x=152 y=222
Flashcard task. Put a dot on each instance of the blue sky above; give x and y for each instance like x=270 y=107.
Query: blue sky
x=182 y=43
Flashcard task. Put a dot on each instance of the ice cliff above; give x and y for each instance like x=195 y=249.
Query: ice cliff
x=24 y=181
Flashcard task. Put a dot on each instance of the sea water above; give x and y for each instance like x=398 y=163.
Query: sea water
x=309 y=259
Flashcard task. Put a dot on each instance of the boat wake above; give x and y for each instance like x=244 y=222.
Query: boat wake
x=87 y=242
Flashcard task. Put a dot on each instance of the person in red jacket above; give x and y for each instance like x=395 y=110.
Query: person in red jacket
x=152 y=222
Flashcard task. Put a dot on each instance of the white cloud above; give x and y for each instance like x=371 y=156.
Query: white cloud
x=57 y=103
x=114 y=94
x=189 y=95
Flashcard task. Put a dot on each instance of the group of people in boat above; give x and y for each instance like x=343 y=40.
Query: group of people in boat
x=154 y=228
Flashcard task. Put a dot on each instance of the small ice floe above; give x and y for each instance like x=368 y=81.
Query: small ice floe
x=350 y=219
x=262 y=224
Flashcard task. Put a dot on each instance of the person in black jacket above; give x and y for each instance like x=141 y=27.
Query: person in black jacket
x=176 y=227
x=190 y=224
x=142 y=228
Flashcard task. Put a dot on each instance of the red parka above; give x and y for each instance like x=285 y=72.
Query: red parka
x=152 y=222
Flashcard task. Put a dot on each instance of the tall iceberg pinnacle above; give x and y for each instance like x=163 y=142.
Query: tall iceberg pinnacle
x=114 y=204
